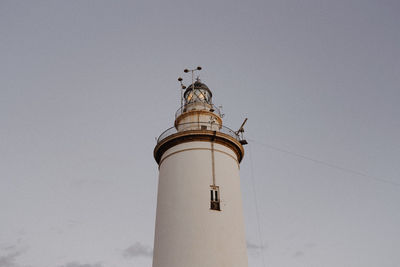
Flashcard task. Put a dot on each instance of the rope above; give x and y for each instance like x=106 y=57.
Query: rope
x=328 y=164
x=213 y=163
x=256 y=206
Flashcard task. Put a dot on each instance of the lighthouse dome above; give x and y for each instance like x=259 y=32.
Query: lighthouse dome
x=198 y=92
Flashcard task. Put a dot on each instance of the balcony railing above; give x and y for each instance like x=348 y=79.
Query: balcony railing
x=193 y=126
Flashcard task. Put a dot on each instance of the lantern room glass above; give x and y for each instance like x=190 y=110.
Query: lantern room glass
x=198 y=95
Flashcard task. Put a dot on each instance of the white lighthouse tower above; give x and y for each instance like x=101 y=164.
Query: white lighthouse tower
x=199 y=221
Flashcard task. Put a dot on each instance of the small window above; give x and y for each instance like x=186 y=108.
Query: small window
x=215 y=198
x=204 y=127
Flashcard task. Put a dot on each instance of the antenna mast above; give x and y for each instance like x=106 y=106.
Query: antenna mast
x=183 y=87
x=240 y=133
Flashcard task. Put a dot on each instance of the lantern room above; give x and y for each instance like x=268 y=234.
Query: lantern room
x=197 y=92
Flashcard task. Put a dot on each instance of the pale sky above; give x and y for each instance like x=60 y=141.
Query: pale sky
x=86 y=86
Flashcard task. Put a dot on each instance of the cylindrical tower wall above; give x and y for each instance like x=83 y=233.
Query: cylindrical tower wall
x=189 y=233
x=198 y=120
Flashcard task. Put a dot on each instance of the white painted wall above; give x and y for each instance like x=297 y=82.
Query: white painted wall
x=188 y=233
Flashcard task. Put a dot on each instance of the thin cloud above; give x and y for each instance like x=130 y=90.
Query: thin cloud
x=138 y=250
x=9 y=259
x=9 y=248
x=298 y=254
x=77 y=264
x=310 y=245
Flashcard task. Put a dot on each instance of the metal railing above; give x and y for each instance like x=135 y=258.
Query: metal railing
x=193 y=126
x=198 y=106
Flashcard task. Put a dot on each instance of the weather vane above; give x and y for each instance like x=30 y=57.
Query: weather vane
x=192 y=71
x=183 y=86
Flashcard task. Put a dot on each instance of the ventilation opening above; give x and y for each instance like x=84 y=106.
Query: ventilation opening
x=215 y=198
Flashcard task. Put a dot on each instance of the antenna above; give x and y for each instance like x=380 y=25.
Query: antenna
x=240 y=133
x=192 y=71
x=220 y=111
x=183 y=88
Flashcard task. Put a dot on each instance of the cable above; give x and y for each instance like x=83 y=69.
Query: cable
x=256 y=206
x=331 y=165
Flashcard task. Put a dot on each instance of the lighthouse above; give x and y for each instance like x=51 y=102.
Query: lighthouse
x=199 y=218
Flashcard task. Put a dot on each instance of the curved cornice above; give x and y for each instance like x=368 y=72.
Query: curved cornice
x=198 y=135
